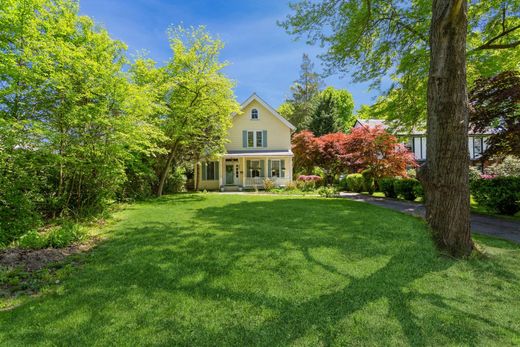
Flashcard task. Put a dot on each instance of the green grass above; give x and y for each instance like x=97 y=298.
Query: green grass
x=246 y=270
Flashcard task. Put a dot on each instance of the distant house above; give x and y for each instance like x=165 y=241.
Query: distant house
x=415 y=140
x=259 y=147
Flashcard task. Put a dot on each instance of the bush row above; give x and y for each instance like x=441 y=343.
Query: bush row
x=500 y=194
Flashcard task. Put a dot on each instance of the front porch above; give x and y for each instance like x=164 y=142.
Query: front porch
x=247 y=171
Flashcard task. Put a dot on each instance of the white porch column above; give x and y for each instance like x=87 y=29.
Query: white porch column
x=222 y=171
x=244 y=171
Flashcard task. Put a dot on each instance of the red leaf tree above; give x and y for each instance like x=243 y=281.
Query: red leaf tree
x=369 y=148
x=374 y=149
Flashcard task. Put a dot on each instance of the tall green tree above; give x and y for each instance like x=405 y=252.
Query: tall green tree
x=70 y=116
x=304 y=92
x=198 y=100
x=419 y=43
x=333 y=112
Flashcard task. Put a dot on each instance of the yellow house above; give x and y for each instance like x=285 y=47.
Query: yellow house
x=259 y=147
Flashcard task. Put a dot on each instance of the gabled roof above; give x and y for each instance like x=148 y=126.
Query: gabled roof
x=268 y=107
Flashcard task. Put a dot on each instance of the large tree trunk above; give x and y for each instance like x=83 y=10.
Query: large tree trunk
x=446 y=172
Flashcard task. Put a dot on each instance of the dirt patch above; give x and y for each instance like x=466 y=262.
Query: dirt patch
x=33 y=260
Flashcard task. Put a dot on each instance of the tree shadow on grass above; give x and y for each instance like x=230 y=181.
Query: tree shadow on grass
x=266 y=272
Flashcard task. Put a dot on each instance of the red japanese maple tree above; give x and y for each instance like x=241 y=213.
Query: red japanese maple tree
x=373 y=148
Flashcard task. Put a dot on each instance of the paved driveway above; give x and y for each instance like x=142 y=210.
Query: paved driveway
x=505 y=229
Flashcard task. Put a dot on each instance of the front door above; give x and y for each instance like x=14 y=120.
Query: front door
x=230 y=173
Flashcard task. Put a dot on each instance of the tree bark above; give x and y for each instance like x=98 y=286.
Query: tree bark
x=445 y=175
x=165 y=172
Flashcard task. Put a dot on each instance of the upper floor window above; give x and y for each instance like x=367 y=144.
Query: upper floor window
x=255 y=139
x=254 y=113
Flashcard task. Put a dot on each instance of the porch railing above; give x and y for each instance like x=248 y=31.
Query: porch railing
x=259 y=181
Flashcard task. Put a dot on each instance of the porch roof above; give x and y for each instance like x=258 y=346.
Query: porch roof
x=253 y=153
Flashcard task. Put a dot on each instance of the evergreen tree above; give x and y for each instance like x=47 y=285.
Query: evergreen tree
x=304 y=92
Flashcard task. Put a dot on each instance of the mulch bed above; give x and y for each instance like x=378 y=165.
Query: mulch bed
x=36 y=259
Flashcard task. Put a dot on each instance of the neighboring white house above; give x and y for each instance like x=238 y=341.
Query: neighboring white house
x=415 y=140
x=259 y=147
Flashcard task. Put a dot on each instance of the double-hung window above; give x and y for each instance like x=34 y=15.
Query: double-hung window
x=255 y=139
x=259 y=139
x=256 y=168
x=276 y=168
x=250 y=139
x=210 y=171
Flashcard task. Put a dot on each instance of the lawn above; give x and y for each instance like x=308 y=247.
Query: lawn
x=211 y=269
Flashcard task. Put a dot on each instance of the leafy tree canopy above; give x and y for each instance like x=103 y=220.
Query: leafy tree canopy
x=370 y=39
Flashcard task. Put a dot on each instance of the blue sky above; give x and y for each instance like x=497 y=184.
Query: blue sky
x=263 y=58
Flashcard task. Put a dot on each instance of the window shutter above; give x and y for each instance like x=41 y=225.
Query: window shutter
x=264 y=138
x=248 y=166
x=282 y=169
x=244 y=138
x=262 y=167
x=217 y=166
x=204 y=171
x=269 y=168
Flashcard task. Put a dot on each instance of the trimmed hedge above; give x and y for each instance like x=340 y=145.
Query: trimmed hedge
x=500 y=194
x=386 y=185
x=408 y=188
x=355 y=182
x=368 y=181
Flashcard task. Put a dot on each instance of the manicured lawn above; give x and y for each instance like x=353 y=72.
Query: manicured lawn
x=246 y=270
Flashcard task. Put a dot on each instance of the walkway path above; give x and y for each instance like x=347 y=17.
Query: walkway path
x=505 y=229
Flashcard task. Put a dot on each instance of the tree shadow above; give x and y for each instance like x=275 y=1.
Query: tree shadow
x=277 y=270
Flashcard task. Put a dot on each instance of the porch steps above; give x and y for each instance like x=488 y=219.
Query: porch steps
x=230 y=189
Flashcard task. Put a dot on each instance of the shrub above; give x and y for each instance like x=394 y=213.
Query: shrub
x=500 y=194
x=176 y=182
x=269 y=184
x=407 y=188
x=328 y=192
x=387 y=186
x=355 y=182
x=64 y=235
x=474 y=173
x=368 y=181
x=308 y=182
x=342 y=183
x=510 y=166
x=58 y=237
x=291 y=186
x=32 y=240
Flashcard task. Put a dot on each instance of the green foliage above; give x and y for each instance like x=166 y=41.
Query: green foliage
x=328 y=192
x=509 y=166
x=407 y=188
x=57 y=237
x=355 y=182
x=500 y=194
x=474 y=173
x=176 y=181
x=368 y=181
x=372 y=39
x=387 y=186
x=333 y=112
x=79 y=130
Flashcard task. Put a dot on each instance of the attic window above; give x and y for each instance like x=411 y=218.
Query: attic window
x=254 y=113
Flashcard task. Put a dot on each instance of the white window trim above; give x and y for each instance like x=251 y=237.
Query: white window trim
x=257 y=114
x=255 y=138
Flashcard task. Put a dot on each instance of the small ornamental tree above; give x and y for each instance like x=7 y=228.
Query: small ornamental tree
x=374 y=149
x=332 y=154
x=306 y=151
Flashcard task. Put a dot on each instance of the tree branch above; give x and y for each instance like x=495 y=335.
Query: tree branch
x=489 y=44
